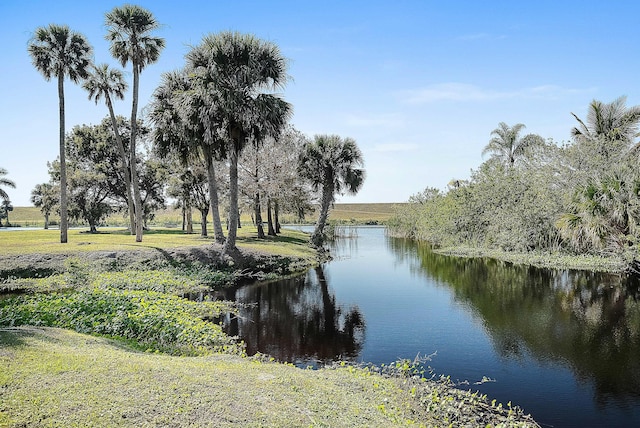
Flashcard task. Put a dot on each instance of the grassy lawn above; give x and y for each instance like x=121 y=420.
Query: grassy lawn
x=53 y=377
x=20 y=242
x=58 y=378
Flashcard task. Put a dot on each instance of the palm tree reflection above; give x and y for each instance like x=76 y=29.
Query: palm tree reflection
x=297 y=320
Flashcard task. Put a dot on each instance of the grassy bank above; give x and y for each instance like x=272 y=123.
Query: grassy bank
x=543 y=260
x=53 y=377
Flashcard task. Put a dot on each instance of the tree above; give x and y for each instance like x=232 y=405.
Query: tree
x=613 y=121
x=182 y=126
x=604 y=215
x=106 y=82
x=5 y=208
x=240 y=72
x=332 y=165
x=5 y=182
x=129 y=32
x=507 y=145
x=58 y=52
x=45 y=196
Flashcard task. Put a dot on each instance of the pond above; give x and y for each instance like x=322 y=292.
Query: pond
x=564 y=345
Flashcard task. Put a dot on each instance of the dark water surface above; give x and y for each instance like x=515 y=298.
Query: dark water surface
x=564 y=345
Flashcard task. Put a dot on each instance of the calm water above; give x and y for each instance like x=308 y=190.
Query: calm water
x=563 y=345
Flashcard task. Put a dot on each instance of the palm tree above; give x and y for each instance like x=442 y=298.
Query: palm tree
x=604 y=213
x=129 y=32
x=238 y=73
x=58 y=52
x=331 y=164
x=613 y=122
x=106 y=82
x=44 y=196
x=507 y=146
x=5 y=182
x=175 y=112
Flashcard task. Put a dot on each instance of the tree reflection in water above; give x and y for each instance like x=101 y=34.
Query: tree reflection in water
x=297 y=320
x=585 y=320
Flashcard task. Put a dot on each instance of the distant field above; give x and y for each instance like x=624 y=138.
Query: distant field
x=351 y=213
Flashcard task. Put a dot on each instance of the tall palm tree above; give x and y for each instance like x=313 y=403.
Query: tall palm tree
x=612 y=121
x=5 y=182
x=332 y=165
x=129 y=31
x=58 y=52
x=239 y=74
x=107 y=82
x=175 y=112
x=507 y=146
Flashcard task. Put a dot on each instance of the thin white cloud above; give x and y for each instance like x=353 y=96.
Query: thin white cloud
x=376 y=120
x=395 y=147
x=467 y=92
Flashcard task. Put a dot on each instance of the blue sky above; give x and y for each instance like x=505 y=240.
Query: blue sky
x=419 y=85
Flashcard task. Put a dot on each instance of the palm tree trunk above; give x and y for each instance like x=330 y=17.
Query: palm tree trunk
x=230 y=243
x=137 y=198
x=64 y=225
x=317 y=239
x=123 y=166
x=271 y=229
x=213 y=198
x=257 y=210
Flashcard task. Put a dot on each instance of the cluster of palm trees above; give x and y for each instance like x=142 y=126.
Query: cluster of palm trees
x=58 y=52
x=222 y=100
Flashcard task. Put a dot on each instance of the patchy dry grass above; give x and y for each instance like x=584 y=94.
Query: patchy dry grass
x=58 y=378
x=55 y=377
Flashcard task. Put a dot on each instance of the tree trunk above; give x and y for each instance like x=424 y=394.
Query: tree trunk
x=203 y=222
x=317 y=239
x=64 y=225
x=213 y=198
x=276 y=215
x=137 y=199
x=271 y=229
x=189 y=219
x=123 y=166
x=258 y=215
x=184 y=217
x=230 y=243
x=46 y=221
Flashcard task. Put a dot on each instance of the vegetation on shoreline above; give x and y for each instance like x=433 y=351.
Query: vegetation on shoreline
x=542 y=201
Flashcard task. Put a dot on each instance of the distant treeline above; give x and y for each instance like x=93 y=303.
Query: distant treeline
x=580 y=197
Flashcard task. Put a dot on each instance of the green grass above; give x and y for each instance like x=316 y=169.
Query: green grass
x=58 y=378
x=21 y=242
